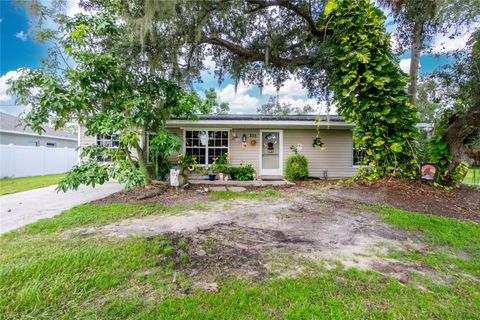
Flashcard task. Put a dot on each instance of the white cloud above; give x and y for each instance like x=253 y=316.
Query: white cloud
x=240 y=101
x=291 y=87
x=443 y=44
x=21 y=35
x=4 y=86
x=405 y=65
x=73 y=8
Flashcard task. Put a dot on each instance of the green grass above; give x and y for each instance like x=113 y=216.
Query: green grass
x=12 y=185
x=457 y=241
x=473 y=176
x=104 y=279
x=95 y=277
x=227 y=195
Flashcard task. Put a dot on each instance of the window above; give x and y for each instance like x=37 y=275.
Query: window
x=107 y=141
x=51 y=145
x=206 y=145
x=33 y=143
x=358 y=155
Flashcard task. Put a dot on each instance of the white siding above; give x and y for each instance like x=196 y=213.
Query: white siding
x=336 y=158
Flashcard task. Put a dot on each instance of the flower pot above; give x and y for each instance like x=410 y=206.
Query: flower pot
x=220 y=176
x=211 y=177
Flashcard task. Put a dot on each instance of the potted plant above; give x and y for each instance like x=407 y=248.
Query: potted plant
x=186 y=165
x=211 y=173
x=221 y=165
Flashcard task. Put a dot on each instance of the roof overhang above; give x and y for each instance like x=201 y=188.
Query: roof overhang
x=31 y=134
x=277 y=124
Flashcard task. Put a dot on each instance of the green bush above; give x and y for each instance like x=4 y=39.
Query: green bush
x=297 y=166
x=242 y=173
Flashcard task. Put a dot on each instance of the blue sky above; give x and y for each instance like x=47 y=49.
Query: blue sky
x=18 y=50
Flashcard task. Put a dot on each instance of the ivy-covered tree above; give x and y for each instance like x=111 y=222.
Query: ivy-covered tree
x=368 y=86
x=109 y=95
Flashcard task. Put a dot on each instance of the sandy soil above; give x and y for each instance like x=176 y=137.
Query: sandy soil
x=253 y=237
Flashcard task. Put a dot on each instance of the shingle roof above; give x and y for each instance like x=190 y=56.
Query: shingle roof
x=12 y=123
x=263 y=117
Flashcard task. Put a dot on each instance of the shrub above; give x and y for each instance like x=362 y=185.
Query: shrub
x=242 y=173
x=297 y=166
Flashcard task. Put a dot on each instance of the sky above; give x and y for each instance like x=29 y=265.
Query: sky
x=19 y=50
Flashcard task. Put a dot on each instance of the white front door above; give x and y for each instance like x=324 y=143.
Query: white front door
x=271 y=153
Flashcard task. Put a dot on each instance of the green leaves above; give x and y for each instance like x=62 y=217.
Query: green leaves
x=108 y=95
x=369 y=87
x=396 y=147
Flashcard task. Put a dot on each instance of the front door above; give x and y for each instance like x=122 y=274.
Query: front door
x=271 y=153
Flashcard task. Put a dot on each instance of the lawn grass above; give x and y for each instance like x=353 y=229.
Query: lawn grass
x=95 y=277
x=457 y=241
x=473 y=176
x=227 y=195
x=106 y=279
x=12 y=185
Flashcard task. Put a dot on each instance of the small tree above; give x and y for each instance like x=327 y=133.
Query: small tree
x=275 y=107
x=107 y=94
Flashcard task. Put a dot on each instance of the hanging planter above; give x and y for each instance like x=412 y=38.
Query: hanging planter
x=317 y=142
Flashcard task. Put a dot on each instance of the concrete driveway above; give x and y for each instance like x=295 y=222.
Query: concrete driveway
x=22 y=208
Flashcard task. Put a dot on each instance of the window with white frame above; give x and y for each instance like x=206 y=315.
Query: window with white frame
x=107 y=141
x=206 y=144
x=358 y=155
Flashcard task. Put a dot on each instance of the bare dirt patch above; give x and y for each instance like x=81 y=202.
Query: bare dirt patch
x=164 y=195
x=248 y=237
x=460 y=203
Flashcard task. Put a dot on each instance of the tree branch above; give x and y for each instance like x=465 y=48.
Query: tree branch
x=256 y=56
x=288 y=5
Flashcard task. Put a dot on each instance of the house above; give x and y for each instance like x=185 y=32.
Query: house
x=263 y=141
x=12 y=131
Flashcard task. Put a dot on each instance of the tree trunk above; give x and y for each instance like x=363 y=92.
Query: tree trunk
x=143 y=160
x=417 y=43
x=460 y=130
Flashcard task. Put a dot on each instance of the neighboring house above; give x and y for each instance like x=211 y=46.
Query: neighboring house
x=263 y=141
x=12 y=131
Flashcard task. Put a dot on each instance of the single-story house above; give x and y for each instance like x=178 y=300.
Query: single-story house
x=12 y=131
x=263 y=141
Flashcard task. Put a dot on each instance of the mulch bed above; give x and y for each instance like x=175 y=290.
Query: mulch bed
x=462 y=202
x=166 y=195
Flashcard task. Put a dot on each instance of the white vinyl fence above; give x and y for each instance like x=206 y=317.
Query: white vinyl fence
x=25 y=161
